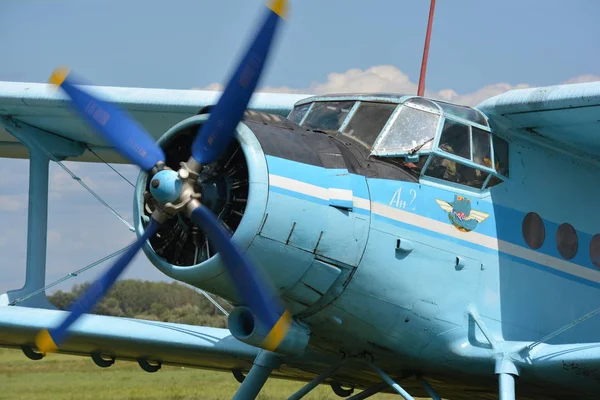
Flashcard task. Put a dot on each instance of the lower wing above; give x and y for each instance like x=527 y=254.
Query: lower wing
x=131 y=339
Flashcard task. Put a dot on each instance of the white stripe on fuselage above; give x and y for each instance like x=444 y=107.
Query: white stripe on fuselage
x=446 y=229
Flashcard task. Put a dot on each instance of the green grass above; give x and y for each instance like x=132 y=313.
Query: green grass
x=64 y=377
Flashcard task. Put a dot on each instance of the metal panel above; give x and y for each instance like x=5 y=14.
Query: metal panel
x=340 y=189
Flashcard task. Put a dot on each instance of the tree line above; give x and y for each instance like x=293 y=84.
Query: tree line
x=157 y=301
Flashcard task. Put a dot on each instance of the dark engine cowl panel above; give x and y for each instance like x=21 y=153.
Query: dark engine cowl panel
x=224 y=188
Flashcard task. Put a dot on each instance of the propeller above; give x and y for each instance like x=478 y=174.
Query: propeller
x=126 y=135
x=174 y=191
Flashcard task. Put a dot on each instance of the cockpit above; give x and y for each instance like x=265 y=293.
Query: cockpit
x=432 y=140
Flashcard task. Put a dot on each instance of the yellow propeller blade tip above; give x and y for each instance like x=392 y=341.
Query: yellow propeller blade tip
x=59 y=75
x=44 y=342
x=279 y=7
x=278 y=332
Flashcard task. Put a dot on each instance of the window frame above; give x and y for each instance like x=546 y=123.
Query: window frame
x=433 y=107
x=344 y=122
x=354 y=110
x=437 y=151
x=310 y=106
x=385 y=131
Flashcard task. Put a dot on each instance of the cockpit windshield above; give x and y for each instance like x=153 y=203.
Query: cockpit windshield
x=427 y=138
x=368 y=120
x=413 y=128
x=448 y=142
x=362 y=120
x=327 y=115
x=299 y=112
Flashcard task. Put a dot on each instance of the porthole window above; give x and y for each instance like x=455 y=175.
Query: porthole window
x=534 y=231
x=595 y=250
x=566 y=241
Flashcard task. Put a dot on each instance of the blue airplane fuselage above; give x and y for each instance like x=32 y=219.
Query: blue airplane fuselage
x=401 y=270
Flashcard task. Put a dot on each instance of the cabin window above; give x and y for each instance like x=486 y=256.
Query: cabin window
x=455 y=139
x=595 y=250
x=566 y=241
x=298 y=113
x=533 y=230
x=414 y=168
x=412 y=129
x=452 y=171
x=327 y=115
x=368 y=121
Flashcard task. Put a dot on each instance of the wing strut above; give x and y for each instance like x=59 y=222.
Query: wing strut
x=42 y=147
x=264 y=364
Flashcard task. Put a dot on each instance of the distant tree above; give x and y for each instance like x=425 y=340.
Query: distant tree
x=157 y=301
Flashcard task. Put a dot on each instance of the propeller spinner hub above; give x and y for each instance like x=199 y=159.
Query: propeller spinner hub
x=166 y=186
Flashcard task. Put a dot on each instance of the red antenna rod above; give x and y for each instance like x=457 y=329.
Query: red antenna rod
x=421 y=89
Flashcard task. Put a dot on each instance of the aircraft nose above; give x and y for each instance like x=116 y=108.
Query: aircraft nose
x=234 y=188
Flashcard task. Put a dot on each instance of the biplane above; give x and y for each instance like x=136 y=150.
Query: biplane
x=380 y=242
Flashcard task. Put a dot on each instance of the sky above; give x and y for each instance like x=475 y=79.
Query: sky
x=478 y=49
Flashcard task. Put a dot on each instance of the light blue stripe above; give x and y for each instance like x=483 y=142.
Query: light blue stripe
x=504 y=223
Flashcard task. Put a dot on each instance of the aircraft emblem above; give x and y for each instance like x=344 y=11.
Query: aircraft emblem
x=461 y=215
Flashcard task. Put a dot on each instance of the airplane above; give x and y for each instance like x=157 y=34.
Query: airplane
x=373 y=242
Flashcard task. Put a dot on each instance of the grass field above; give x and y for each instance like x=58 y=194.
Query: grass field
x=67 y=377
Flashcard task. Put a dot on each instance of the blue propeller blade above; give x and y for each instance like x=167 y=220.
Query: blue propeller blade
x=256 y=293
x=218 y=131
x=49 y=340
x=120 y=130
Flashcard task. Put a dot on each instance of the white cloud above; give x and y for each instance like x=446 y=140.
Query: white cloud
x=389 y=79
x=12 y=202
x=472 y=99
x=583 y=79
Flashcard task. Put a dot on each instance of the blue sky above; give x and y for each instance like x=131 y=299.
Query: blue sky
x=478 y=48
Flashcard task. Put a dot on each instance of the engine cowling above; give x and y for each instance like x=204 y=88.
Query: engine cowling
x=234 y=187
x=298 y=234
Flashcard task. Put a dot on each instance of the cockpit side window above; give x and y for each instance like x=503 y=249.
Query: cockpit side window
x=501 y=155
x=463 y=112
x=455 y=139
x=452 y=171
x=368 y=121
x=327 y=115
x=298 y=113
x=464 y=156
x=482 y=147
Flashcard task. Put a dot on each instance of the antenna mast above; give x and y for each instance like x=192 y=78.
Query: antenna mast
x=421 y=89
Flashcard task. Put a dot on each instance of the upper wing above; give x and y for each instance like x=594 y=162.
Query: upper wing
x=42 y=106
x=565 y=116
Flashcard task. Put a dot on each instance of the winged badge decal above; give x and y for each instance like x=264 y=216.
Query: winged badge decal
x=461 y=215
